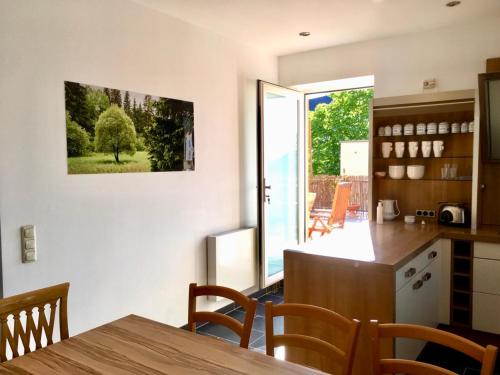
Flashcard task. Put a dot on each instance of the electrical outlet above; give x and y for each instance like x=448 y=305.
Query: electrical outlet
x=425 y=213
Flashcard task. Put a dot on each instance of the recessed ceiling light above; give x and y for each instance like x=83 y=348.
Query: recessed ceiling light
x=304 y=33
x=452 y=4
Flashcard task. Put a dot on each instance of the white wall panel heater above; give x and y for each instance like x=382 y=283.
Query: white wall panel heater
x=232 y=259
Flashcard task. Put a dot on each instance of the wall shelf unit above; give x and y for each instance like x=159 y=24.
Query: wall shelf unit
x=428 y=192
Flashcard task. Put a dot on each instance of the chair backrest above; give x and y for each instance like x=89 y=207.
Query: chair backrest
x=486 y=356
x=27 y=302
x=340 y=203
x=344 y=357
x=249 y=305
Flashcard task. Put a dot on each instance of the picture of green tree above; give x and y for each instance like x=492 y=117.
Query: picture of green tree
x=117 y=131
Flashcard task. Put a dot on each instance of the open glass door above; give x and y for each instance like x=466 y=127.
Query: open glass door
x=281 y=177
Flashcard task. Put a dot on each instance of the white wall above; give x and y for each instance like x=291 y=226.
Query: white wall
x=128 y=243
x=452 y=55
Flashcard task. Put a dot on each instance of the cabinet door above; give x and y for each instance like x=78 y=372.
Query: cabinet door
x=430 y=295
x=418 y=303
x=409 y=309
x=485 y=312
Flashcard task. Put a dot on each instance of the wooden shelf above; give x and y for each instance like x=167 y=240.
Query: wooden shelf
x=420 y=158
x=429 y=192
x=422 y=137
x=422 y=179
x=465 y=274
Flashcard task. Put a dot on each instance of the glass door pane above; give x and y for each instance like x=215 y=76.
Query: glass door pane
x=280 y=109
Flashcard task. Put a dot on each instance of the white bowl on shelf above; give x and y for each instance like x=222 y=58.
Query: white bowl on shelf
x=415 y=172
x=396 y=172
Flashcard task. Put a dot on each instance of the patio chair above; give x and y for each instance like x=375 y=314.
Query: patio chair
x=335 y=216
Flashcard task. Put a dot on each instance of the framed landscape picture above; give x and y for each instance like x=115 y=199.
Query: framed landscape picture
x=117 y=131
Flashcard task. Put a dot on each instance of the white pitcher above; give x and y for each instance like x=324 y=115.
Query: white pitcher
x=390 y=209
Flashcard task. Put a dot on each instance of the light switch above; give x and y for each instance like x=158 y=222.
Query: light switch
x=29 y=231
x=28 y=243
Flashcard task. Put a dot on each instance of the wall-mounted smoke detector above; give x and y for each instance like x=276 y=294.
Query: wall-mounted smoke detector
x=452 y=4
x=304 y=33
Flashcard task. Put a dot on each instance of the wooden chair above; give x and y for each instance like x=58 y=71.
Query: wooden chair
x=249 y=305
x=27 y=302
x=350 y=327
x=486 y=356
x=337 y=214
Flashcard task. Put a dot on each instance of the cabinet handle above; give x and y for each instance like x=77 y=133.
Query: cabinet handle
x=432 y=255
x=418 y=284
x=410 y=272
x=427 y=276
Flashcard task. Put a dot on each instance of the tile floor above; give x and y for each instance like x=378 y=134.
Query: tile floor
x=432 y=353
x=257 y=338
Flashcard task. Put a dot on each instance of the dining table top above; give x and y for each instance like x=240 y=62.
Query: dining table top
x=136 y=345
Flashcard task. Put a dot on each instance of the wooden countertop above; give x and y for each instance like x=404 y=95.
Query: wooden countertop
x=392 y=244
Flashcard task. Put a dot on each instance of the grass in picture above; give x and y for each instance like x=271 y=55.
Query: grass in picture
x=105 y=163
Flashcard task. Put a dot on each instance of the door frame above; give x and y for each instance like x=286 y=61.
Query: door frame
x=302 y=179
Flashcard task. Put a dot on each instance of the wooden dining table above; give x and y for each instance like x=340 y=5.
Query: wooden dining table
x=136 y=345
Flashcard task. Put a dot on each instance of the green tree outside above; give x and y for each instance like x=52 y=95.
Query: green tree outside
x=115 y=133
x=346 y=118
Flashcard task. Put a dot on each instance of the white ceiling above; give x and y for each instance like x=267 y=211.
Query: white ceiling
x=273 y=25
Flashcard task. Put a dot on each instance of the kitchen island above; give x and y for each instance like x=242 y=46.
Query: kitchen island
x=391 y=272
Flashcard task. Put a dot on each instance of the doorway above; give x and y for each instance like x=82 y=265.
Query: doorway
x=303 y=151
x=338 y=151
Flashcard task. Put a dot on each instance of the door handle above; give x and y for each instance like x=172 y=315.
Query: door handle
x=418 y=284
x=427 y=276
x=432 y=255
x=267 y=198
x=410 y=272
x=267 y=187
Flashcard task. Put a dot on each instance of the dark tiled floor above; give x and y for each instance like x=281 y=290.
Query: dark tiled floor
x=257 y=338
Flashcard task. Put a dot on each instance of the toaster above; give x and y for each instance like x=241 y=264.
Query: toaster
x=454 y=214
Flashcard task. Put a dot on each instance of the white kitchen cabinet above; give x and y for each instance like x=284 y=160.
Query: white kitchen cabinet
x=418 y=301
x=486 y=287
x=485 y=312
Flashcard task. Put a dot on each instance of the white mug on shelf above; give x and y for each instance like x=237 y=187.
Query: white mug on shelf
x=455 y=128
x=408 y=129
x=443 y=128
x=388 y=131
x=421 y=128
x=438 y=147
x=471 y=127
x=426 y=148
x=386 y=149
x=400 y=149
x=464 y=128
x=431 y=128
x=381 y=131
x=413 y=149
x=397 y=130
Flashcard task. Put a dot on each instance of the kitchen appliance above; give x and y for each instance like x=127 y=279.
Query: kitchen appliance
x=454 y=214
x=390 y=209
